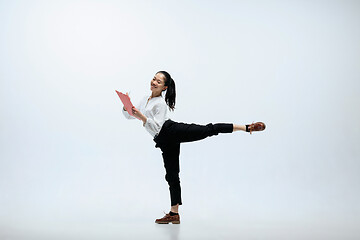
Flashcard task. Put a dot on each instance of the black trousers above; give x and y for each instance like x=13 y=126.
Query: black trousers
x=169 y=139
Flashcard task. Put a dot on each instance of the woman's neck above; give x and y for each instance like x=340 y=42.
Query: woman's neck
x=152 y=95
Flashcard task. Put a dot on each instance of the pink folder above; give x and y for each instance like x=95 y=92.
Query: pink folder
x=127 y=103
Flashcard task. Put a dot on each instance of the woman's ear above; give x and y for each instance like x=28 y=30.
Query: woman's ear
x=165 y=88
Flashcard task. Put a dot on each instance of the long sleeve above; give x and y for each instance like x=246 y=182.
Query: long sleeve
x=155 y=111
x=159 y=116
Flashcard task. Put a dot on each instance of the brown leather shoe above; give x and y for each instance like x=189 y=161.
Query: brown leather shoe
x=169 y=219
x=258 y=126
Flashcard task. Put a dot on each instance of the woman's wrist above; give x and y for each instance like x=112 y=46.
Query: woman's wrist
x=144 y=119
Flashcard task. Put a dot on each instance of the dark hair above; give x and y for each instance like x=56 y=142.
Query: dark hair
x=170 y=91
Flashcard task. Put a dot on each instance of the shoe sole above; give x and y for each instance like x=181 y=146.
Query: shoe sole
x=173 y=222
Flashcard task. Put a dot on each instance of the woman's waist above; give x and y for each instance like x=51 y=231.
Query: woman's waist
x=163 y=129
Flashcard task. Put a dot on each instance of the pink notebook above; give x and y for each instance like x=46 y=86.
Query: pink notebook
x=127 y=103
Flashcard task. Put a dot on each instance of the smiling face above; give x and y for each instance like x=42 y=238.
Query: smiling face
x=157 y=84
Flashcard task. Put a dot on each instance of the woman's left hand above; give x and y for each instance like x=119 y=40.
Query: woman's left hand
x=138 y=114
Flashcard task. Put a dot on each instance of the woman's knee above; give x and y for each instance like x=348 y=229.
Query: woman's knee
x=212 y=129
x=172 y=179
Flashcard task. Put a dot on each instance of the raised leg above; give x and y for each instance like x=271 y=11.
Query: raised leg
x=183 y=132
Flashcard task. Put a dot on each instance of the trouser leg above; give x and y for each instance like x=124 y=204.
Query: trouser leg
x=171 y=163
x=183 y=132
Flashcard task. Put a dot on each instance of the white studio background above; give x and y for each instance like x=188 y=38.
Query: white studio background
x=68 y=157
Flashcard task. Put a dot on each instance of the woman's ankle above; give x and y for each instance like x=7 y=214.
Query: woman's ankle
x=239 y=127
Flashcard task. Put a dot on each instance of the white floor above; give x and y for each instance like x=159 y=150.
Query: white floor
x=191 y=227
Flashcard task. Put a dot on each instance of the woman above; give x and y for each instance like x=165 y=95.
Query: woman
x=153 y=112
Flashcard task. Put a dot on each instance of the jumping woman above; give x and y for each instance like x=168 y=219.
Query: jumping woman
x=168 y=134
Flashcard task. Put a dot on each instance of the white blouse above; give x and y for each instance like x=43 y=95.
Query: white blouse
x=156 y=112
